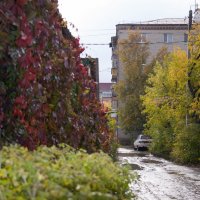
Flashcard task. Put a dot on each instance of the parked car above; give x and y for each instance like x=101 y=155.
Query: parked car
x=142 y=142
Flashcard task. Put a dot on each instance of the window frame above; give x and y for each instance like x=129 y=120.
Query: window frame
x=168 y=37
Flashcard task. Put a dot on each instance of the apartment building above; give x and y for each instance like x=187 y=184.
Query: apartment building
x=168 y=32
x=105 y=94
x=92 y=65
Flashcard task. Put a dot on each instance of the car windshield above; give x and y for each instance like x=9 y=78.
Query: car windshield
x=145 y=137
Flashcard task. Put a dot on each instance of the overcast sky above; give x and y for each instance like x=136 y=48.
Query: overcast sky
x=96 y=20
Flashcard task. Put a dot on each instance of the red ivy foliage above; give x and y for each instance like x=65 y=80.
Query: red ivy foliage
x=46 y=95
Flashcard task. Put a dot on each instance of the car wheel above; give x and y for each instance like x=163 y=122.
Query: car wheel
x=136 y=148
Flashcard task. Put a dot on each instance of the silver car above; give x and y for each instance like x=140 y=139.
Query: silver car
x=142 y=142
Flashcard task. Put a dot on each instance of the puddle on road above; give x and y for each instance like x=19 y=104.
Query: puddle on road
x=134 y=166
x=174 y=172
x=159 y=178
x=151 y=161
x=132 y=154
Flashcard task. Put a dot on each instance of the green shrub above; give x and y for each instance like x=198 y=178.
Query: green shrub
x=187 y=148
x=61 y=173
x=160 y=146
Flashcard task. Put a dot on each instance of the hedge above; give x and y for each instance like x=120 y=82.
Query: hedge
x=61 y=173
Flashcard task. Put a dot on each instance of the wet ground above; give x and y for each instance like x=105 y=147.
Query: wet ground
x=160 y=179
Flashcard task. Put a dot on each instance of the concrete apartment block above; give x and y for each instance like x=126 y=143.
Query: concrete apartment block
x=169 y=32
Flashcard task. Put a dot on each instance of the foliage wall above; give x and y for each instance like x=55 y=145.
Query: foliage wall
x=167 y=103
x=46 y=96
x=194 y=71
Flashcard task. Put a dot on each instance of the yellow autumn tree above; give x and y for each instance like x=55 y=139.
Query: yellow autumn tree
x=194 y=71
x=167 y=102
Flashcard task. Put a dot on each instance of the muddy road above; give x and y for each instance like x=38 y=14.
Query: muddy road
x=160 y=179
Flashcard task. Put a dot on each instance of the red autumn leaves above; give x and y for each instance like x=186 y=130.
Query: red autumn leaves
x=54 y=99
x=26 y=37
x=21 y=2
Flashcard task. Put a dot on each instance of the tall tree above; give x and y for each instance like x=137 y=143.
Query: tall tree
x=159 y=57
x=132 y=55
x=167 y=102
x=194 y=70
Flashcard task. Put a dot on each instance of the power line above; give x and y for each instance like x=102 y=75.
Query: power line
x=107 y=34
x=167 y=43
x=95 y=44
x=108 y=29
x=96 y=35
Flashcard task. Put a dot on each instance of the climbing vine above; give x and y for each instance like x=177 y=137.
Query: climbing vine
x=46 y=95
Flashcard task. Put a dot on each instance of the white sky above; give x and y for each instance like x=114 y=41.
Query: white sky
x=96 y=20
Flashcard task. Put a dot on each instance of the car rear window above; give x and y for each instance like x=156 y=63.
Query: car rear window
x=146 y=137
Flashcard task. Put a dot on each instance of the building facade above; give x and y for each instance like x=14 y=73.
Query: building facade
x=169 y=32
x=92 y=65
x=105 y=94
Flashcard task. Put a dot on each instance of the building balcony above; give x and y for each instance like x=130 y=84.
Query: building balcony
x=114 y=114
x=114 y=79
x=114 y=71
x=114 y=74
x=114 y=105
x=113 y=41
x=114 y=56
x=114 y=94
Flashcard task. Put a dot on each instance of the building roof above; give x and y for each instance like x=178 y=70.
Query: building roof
x=158 y=24
x=167 y=21
x=161 y=21
x=105 y=86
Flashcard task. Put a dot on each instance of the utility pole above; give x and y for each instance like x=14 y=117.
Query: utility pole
x=190 y=20
x=188 y=55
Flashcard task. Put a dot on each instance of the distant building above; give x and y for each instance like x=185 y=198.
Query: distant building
x=92 y=65
x=196 y=18
x=105 y=94
x=169 y=32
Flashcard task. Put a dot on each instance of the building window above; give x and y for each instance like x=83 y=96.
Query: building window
x=185 y=37
x=114 y=63
x=143 y=37
x=168 y=37
x=114 y=104
x=106 y=94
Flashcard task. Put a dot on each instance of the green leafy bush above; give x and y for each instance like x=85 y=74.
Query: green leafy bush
x=61 y=173
x=187 y=148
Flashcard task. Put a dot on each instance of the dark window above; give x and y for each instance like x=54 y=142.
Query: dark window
x=185 y=37
x=145 y=137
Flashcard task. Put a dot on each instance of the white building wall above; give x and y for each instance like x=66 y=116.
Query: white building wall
x=156 y=39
